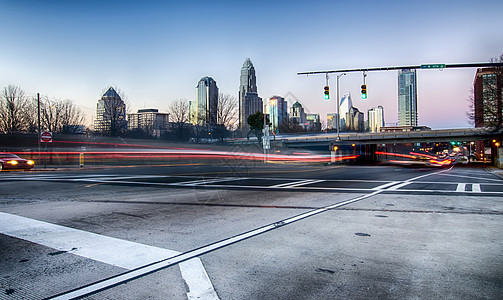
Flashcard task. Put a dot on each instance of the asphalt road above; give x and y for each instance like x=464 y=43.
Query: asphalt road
x=244 y=230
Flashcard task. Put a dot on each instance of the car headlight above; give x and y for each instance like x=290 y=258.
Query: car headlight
x=30 y=162
x=13 y=162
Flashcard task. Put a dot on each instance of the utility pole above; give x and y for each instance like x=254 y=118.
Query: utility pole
x=338 y=105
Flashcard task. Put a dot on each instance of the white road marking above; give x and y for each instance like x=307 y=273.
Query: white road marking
x=112 y=281
x=116 y=252
x=476 y=187
x=296 y=183
x=304 y=183
x=190 y=255
x=461 y=187
x=473 y=177
x=206 y=181
x=396 y=187
x=386 y=185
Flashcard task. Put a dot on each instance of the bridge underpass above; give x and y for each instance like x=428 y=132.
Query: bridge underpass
x=367 y=144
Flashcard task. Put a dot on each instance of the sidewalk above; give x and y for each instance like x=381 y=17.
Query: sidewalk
x=496 y=171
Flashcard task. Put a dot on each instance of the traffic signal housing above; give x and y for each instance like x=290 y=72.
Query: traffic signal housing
x=364 y=91
x=327 y=92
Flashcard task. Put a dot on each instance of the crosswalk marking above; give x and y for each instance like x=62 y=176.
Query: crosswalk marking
x=286 y=183
x=461 y=187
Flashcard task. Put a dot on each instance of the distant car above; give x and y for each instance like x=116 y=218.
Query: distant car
x=9 y=161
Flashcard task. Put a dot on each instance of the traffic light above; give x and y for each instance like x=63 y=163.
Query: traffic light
x=327 y=92
x=364 y=91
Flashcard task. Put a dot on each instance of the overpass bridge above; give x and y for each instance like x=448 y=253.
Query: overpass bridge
x=396 y=137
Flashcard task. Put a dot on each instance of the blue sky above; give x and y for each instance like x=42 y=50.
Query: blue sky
x=156 y=51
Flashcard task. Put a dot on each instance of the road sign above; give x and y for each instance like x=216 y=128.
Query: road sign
x=433 y=66
x=46 y=137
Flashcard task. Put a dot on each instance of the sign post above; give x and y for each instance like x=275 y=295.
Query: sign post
x=46 y=137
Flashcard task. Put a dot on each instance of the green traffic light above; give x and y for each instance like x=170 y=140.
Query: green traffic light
x=327 y=97
x=364 y=91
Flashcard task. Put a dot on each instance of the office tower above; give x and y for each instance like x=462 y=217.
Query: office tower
x=344 y=107
x=488 y=104
x=150 y=121
x=110 y=114
x=249 y=101
x=203 y=111
x=331 y=121
x=354 y=120
x=277 y=110
x=407 y=97
x=313 y=122
x=375 y=117
x=487 y=96
x=297 y=114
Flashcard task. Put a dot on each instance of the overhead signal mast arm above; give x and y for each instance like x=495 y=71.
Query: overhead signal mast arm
x=424 y=66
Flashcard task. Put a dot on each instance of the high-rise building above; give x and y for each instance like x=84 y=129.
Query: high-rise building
x=277 y=110
x=344 y=107
x=331 y=121
x=354 y=120
x=375 y=117
x=488 y=103
x=110 y=114
x=249 y=101
x=313 y=122
x=150 y=121
x=487 y=96
x=297 y=114
x=407 y=97
x=203 y=111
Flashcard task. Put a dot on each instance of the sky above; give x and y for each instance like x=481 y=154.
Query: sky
x=155 y=52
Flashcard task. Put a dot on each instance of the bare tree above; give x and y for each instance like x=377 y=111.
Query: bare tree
x=50 y=114
x=56 y=114
x=12 y=106
x=227 y=111
x=71 y=115
x=31 y=115
x=179 y=115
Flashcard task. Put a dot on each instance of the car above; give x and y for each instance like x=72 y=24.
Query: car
x=9 y=161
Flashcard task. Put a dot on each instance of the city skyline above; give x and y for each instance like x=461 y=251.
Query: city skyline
x=72 y=50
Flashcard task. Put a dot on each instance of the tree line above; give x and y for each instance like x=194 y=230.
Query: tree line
x=19 y=113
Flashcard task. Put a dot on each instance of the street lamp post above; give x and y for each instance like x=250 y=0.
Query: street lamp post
x=338 y=105
x=272 y=102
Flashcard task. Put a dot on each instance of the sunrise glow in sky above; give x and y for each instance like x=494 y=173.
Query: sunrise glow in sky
x=156 y=51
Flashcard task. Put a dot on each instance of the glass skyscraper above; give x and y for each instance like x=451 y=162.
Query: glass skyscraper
x=376 y=118
x=110 y=114
x=204 y=110
x=249 y=101
x=407 y=98
x=277 y=109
